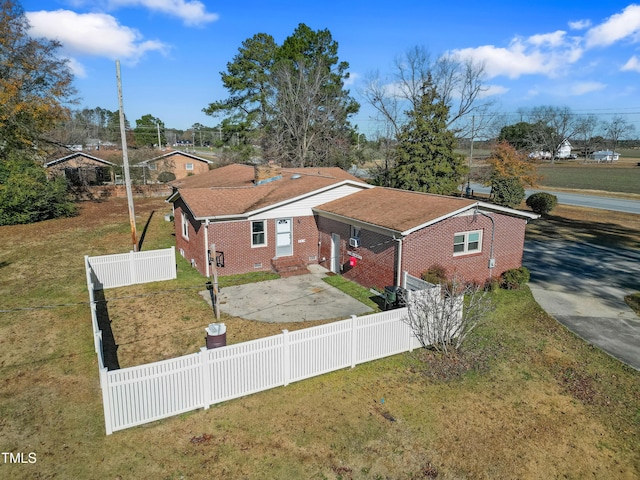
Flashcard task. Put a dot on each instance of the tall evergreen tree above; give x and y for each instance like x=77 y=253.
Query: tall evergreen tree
x=425 y=157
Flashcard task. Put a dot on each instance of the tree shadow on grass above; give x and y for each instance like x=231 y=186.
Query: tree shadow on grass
x=109 y=346
x=613 y=235
x=144 y=230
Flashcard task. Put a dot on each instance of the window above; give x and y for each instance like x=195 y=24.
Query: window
x=185 y=226
x=355 y=232
x=188 y=166
x=152 y=166
x=467 y=242
x=258 y=237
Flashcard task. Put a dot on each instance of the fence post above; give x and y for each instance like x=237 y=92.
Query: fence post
x=205 y=378
x=354 y=342
x=174 y=266
x=132 y=268
x=286 y=359
x=106 y=404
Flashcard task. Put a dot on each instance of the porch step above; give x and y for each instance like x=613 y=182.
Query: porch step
x=289 y=266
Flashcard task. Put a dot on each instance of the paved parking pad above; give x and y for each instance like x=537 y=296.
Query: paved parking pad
x=292 y=299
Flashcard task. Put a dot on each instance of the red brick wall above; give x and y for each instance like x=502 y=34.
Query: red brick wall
x=233 y=238
x=377 y=266
x=434 y=245
x=427 y=247
x=194 y=247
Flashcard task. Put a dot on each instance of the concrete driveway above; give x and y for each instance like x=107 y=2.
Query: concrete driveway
x=292 y=299
x=583 y=287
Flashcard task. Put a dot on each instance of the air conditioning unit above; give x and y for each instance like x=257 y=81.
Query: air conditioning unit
x=354 y=242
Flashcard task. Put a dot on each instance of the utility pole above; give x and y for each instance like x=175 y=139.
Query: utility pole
x=125 y=163
x=473 y=128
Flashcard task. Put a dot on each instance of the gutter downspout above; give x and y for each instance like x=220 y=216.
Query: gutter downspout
x=206 y=247
x=492 y=261
x=399 y=262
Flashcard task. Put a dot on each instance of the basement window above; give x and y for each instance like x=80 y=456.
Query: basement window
x=467 y=242
x=188 y=166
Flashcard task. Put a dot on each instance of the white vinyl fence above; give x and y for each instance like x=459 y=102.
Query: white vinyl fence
x=137 y=395
x=120 y=270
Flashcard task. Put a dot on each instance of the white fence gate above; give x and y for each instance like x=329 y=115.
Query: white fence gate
x=137 y=395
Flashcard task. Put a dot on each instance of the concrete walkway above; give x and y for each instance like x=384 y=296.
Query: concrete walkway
x=583 y=287
x=293 y=299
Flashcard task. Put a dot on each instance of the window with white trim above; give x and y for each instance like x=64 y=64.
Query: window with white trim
x=185 y=226
x=188 y=166
x=258 y=233
x=467 y=242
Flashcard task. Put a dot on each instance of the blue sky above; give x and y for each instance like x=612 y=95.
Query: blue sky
x=582 y=55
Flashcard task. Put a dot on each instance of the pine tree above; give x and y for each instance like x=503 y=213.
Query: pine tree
x=425 y=157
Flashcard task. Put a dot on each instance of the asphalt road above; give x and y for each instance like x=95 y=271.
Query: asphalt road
x=583 y=287
x=580 y=200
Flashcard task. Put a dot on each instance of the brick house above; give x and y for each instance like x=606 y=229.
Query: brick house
x=389 y=231
x=80 y=168
x=270 y=218
x=259 y=218
x=180 y=164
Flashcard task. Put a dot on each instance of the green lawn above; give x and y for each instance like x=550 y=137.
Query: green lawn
x=591 y=177
x=526 y=400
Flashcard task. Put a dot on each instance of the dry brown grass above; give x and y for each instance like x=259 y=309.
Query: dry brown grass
x=579 y=224
x=536 y=402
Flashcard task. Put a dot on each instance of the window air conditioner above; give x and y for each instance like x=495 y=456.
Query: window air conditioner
x=354 y=242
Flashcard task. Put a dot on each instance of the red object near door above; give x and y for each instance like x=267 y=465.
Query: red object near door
x=353 y=261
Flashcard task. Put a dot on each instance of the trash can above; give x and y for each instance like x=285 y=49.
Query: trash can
x=216 y=335
x=391 y=296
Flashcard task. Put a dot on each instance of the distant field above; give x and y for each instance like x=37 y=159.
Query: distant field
x=591 y=177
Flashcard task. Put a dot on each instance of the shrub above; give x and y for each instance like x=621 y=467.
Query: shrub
x=165 y=177
x=515 y=278
x=507 y=192
x=435 y=274
x=542 y=202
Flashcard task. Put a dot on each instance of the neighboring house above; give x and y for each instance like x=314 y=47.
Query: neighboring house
x=255 y=216
x=605 y=156
x=563 y=151
x=80 y=168
x=177 y=164
x=389 y=231
x=258 y=218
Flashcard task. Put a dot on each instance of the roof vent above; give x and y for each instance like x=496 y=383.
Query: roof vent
x=295 y=175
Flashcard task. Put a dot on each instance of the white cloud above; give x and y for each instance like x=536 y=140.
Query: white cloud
x=93 y=34
x=632 y=65
x=493 y=90
x=617 y=27
x=582 y=88
x=77 y=68
x=580 y=24
x=192 y=13
x=353 y=78
x=545 y=54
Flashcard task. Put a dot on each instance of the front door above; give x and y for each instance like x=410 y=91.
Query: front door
x=284 y=244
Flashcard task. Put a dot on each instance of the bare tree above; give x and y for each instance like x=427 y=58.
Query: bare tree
x=459 y=82
x=442 y=317
x=309 y=125
x=585 y=129
x=553 y=125
x=615 y=130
